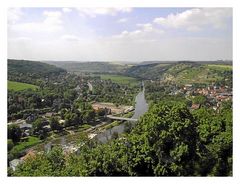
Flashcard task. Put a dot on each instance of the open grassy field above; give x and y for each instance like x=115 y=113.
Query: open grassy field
x=220 y=67
x=21 y=146
x=18 y=86
x=120 y=79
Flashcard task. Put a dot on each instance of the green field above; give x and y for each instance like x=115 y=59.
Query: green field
x=21 y=146
x=220 y=67
x=18 y=86
x=120 y=79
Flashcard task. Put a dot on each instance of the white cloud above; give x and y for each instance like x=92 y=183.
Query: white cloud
x=51 y=23
x=146 y=42
x=146 y=32
x=23 y=39
x=146 y=27
x=70 y=38
x=53 y=18
x=93 y=12
x=195 y=19
x=66 y=10
x=122 y=20
x=110 y=49
x=14 y=15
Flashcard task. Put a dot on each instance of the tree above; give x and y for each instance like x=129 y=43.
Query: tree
x=114 y=135
x=169 y=140
x=88 y=115
x=54 y=123
x=10 y=144
x=14 y=133
x=37 y=125
x=215 y=141
x=71 y=119
x=57 y=160
x=37 y=166
x=200 y=99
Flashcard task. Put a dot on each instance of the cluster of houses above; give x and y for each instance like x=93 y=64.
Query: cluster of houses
x=215 y=95
x=26 y=124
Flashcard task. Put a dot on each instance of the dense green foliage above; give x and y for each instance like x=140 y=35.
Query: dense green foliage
x=18 y=86
x=14 y=133
x=118 y=93
x=53 y=95
x=167 y=141
x=215 y=141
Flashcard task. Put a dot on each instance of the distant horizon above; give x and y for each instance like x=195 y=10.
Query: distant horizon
x=84 y=61
x=121 y=34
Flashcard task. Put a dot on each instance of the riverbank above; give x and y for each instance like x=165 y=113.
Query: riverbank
x=101 y=132
x=141 y=107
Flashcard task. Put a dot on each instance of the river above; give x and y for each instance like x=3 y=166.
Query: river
x=141 y=107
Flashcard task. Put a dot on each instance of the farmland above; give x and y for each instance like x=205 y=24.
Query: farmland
x=120 y=79
x=193 y=73
x=220 y=67
x=18 y=86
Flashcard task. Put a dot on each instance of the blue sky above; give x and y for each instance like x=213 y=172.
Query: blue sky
x=120 y=34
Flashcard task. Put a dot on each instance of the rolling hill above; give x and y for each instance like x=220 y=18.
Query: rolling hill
x=30 y=71
x=181 y=72
x=92 y=67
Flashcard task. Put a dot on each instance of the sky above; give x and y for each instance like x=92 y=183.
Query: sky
x=120 y=34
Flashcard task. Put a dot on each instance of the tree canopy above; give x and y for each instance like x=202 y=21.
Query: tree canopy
x=167 y=141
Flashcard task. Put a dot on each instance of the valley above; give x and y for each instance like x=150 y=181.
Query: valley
x=101 y=111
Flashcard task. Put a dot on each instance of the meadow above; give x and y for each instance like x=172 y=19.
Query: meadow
x=120 y=79
x=220 y=67
x=18 y=86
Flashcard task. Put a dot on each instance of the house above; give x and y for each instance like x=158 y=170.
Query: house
x=131 y=108
x=14 y=163
x=30 y=154
x=61 y=121
x=31 y=118
x=77 y=88
x=25 y=126
x=91 y=136
x=49 y=114
x=195 y=106
x=20 y=121
x=47 y=127
x=187 y=87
